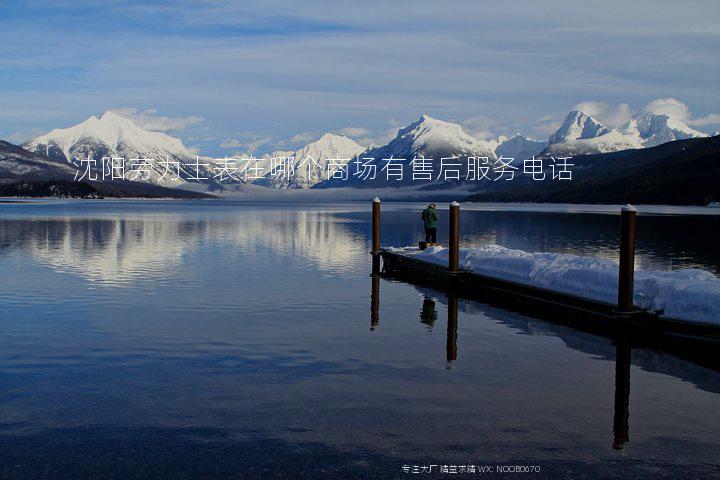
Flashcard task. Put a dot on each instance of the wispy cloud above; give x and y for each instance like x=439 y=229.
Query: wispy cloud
x=303 y=137
x=150 y=120
x=674 y=108
x=611 y=115
x=354 y=131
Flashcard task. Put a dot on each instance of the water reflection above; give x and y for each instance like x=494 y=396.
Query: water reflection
x=621 y=428
x=119 y=251
x=622 y=358
x=375 y=302
x=250 y=332
x=428 y=314
x=452 y=328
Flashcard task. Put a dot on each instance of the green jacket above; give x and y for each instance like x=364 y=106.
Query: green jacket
x=430 y=217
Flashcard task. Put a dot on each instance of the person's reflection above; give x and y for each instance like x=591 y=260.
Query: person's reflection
x=452 y=325
x=428 y=314
x=375 y=302
x=621 y=429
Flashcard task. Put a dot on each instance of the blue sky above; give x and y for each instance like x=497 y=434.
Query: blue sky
x=228 y=77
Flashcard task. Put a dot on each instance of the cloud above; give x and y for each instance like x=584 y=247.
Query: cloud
x=712 y=119
x=483 y=128
x=21 y=136
x=611 y=115
x=354 y=131
x=149 y=119
x=231 y=143
x=671 y=107
x=303 y=137
x=251 y=145
x=547 y=125
x=676 y=109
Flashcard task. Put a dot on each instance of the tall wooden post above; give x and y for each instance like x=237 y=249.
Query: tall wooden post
x=376 y=226
x=627 y=260
x=454 y=241
x=375 y=252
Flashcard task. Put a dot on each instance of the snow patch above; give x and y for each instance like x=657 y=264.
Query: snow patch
x=690 y=294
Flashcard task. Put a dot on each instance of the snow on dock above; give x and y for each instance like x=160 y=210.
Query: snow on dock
x=690 y=294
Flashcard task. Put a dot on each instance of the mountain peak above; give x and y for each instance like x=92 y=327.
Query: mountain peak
x=111 y=116
x=331 y=137
x=654 y=129
x=107 y=135
x=578 y=125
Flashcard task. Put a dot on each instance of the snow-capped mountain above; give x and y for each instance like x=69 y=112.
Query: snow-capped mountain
x=426 y=138
x=17 y=163
x=655 y=129
x=581 y=134
x=312 y=164
x=519 y=147
x=577 y=126
x=33 y=174
x=112 y=135
x=433 y=138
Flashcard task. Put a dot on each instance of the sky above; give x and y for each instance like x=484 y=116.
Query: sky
x=253 y=76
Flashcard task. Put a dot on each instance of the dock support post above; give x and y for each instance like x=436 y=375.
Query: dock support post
x=454 y=237
x=627 y=260
x=375 y=252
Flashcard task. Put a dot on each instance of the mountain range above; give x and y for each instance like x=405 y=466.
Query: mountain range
x=680 y=172
x=111 y=135
x=310 y=165
x=30 y=174
x=582 y=134
x=57 y=152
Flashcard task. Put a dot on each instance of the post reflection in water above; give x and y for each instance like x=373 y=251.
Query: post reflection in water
x=452 y=326
x=428 y=314
x=375 y=301
x=621 y=429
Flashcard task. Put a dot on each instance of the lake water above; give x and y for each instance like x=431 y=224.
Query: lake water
x=145 y=339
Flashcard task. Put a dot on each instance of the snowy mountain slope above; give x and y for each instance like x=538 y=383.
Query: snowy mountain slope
x=577 y=126
x=581 y=134
x=427 y=137
x=111 y=135
x=311 y=164
x=519 y=146
x=681 y=172
x=656 y=129
x=24 y=173
x=17 y=163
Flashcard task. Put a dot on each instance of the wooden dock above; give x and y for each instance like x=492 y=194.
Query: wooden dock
x=644 y=327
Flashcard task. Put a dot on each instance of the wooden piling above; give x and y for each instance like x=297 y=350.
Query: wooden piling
x=454 y=241
x=626 y=272
x=375 y=226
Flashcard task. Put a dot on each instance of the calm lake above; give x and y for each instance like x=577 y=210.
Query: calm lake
x=145 y=339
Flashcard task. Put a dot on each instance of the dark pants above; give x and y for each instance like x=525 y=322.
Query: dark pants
x=430 y=235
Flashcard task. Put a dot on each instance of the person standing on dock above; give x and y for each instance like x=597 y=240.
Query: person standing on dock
x=430 y=219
